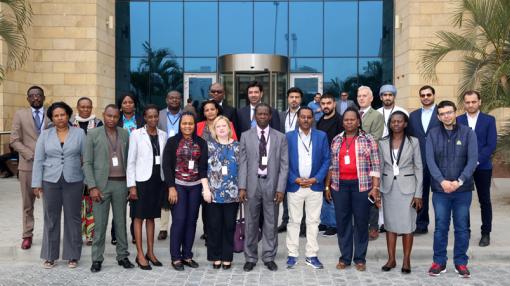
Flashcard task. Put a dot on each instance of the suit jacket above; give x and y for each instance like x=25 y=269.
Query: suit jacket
x=230 y=113
x=278 y=161
x=283 y=116
x=410 y=177
x=24 y=137
x=162 y=124
x=141 y=158
x=96 y=165
x=138 y=119
x=244 y=119
x=51 y=161
x=320 y=159
x=486 y=136
x=350 y=103
x=373 y=123
x=415 y=128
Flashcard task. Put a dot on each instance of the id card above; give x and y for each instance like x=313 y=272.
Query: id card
x=115 y=161
x=158 y=160
x=264 y=161
x=396 y=170
x=191 y=164
x=347 y=160
x=224 y=170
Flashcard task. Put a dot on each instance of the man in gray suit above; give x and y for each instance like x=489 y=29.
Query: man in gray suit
x=263 y=170
x=343 y=103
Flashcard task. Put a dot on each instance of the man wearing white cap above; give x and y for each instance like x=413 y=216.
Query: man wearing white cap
x=388 y=93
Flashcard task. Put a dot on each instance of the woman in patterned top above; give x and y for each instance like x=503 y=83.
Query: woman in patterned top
x=185 y=171
x=223 y=195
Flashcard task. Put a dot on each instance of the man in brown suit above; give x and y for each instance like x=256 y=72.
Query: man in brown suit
x=26 y=127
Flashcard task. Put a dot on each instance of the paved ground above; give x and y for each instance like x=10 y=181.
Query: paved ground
x=489 y=266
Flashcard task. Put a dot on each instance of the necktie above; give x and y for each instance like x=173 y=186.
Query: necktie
x=37 y=121
x=361 y=113
x=262 y=149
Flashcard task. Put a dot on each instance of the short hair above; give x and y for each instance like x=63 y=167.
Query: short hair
x=406 y=120
x=35 y=87
x=218 y=119
x=59 y=104
x=318 y=93
x=111 y=105
x=343 y=91
x=209 y=101
x=296 y=90
x=263 y=104
x=356 y=111
x=328 y=95
x=123 y=96
x=149 y=107
x=83 y=98
x=189 y=100
x=216 y=83
x=364 y=87
x=304 y=108
x=187 y=113
x=255 y=84
x=427 y=87
x=172 y=91
x=471 y=92
x=446 y=103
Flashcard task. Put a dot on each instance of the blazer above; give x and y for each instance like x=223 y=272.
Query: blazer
x=96 y=166
x=486 y=136
x=24 y=137
x=373 y=123
x=138 y=119
x=320 y=159
x=278 y=161
x=141 y=158
x=51 y=160
x=244 y=120
x=230 y=113
x=350 y=103
x=283 y=117
x=415 y=128
x=410 y=177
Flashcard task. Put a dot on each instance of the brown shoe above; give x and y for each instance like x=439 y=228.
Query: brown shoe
x=341 y=265
x=162 y=235
x=27 y=243
x=373 y=234
x=361 y=266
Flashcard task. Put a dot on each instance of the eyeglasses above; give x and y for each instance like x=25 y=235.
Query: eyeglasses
x=215 y=91
x=446 y=113
x=422 y=95
x=35 y=95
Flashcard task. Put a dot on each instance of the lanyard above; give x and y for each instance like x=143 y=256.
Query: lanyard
x=348 y=146
x=155 y=146
x=399 y=151
x=309 y=142
x=173 y=123
x=384 y=115
x=293 y=118
x=114 y=149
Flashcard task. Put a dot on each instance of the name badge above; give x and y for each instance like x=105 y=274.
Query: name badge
x=158 y=160
x=264 y=160
x=115 y=161
x=347 y=160
x=396 y=170
x=224 y=170
x=191 y=164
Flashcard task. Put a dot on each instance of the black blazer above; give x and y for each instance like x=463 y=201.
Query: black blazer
x=138 y=119
x=244 y=120
x=415 y=128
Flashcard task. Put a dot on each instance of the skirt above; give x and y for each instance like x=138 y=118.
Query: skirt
x=148 y=205
x=399 y=216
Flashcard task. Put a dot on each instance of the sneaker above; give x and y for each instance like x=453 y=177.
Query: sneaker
x=437 y=269
x=463 y=271
x=314 y=262
x=291 y=262
x=330 y=232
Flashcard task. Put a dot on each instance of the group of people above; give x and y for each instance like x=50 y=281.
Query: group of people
x=338 y=168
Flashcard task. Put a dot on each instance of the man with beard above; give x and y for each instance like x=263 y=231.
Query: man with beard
x=26 y=128
x=388 y=93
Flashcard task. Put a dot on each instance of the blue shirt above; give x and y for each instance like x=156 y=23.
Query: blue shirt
x=314 y=106
x=172 y=123
x=129 y=124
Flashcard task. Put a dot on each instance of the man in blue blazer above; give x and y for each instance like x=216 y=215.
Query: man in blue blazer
x=484 y=126
x=309 y=161
x=420 y=122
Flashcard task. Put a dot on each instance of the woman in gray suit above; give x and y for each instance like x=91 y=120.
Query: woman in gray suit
x=401 y=187
x=58 y=175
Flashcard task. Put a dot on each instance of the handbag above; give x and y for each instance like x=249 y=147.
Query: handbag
x=239 y=232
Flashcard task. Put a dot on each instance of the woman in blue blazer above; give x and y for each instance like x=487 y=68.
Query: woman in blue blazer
x=57 y=177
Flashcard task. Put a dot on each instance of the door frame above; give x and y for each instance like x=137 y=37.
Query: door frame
x=318 y=76
x=187 y=77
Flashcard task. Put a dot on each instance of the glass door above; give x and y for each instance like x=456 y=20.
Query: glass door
x=309 y=83
x=196 y=86
x=241 y=86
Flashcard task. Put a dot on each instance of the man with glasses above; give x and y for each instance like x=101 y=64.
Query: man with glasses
x=452 y=155
x=420 y=122
x=217 y=93
x=343 y=103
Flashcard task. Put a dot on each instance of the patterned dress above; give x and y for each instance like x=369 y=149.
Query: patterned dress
x=223 y=186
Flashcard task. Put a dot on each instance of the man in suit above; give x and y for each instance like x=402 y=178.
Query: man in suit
x=217 y=93
x=263 y=170
x=104 y=166
x=484 y=126
x=309 y=160
x=372 y=122
x=343 y=103
x=246 y=115
x=420 y=122
x=169 y=120
x=26 y=128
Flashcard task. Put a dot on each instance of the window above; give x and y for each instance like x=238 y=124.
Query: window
x=305 y=37
x=200 y=29
x=236 y=27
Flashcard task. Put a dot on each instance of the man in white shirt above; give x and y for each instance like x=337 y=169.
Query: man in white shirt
x=388 y=93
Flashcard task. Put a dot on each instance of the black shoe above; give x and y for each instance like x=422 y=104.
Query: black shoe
x=227 y=266
x=154 y=262
x=387 y=267
x=271 y=265
x=216 y=266
x=114 y=241
x=331 y=231
x=143 y=267
x=191 y=263
x=125 y=263
x=96 y=266
x=177 y=265
x=248 y=266
x=405 y=270
x=323 y=227
x=485 y=240
x=163 y=234
x=421 y=231
x=282 y=228
x=382 y=229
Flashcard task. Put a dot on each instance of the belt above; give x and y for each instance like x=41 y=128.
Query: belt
x=116 y=178
x=262 y=176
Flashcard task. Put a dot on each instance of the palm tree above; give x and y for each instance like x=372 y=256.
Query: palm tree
x=484 y=44
x=13 y=25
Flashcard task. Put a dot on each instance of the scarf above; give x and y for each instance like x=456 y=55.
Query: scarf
x=91 y=120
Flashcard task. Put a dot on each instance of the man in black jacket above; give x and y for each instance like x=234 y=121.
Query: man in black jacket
x=217 y=93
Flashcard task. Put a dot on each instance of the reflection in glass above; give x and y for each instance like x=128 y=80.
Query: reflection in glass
x=167 y=26
x=371 y=74
x=340 y=28
x=271 y=23
x=236 y=27
x=200 y=65
x=340 y=74
x=306 y=65
x=309 y=86
x=305 y=38
x=370 y=28
x=200 y=29
x=133 y=34
x=199 y=88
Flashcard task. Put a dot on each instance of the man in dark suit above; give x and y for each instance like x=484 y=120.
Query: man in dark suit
x=217 y=93
x=246 y=115
x=484 y=126
x=420 y=122
x=344 y=102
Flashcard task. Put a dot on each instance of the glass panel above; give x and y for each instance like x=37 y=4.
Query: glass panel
x=132 y=28
x=309 y=86
x=236 y=27
x=242 y=81
x=306 y=65
x=271 y=23
x=370 y=28
x=167 y=34
x=134 y=77
x=166 y=75
x=371 y=74
x=340 y=28
x=340 y=74
x=305 y=29
x=205 y=65
x=199 y=88
x=200 y=29
x=228 y=83
x=281 y=91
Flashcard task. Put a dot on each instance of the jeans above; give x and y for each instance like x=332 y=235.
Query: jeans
x=328 y=214
x=454 y=205
x=422 y=219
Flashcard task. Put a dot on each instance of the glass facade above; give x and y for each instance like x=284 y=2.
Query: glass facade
x=348 y=43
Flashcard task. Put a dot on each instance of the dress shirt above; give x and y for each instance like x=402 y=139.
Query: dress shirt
x=252 y=116
x=41 y=116
x=364 y=111
x=266 y=134
x=305 y=156
x=172 y=123
x=343 y=106
x=386 y=113
x=290 y=120
x=472 y=120
x=426 y=116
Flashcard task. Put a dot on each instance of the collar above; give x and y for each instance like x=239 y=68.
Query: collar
x=40 y=109
x=171 y=114
x=428 y=109
x=473 y=117
x=80 y=119
x=266 y=130
x=365 y=110
x=291 y=112
x=303 y=133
